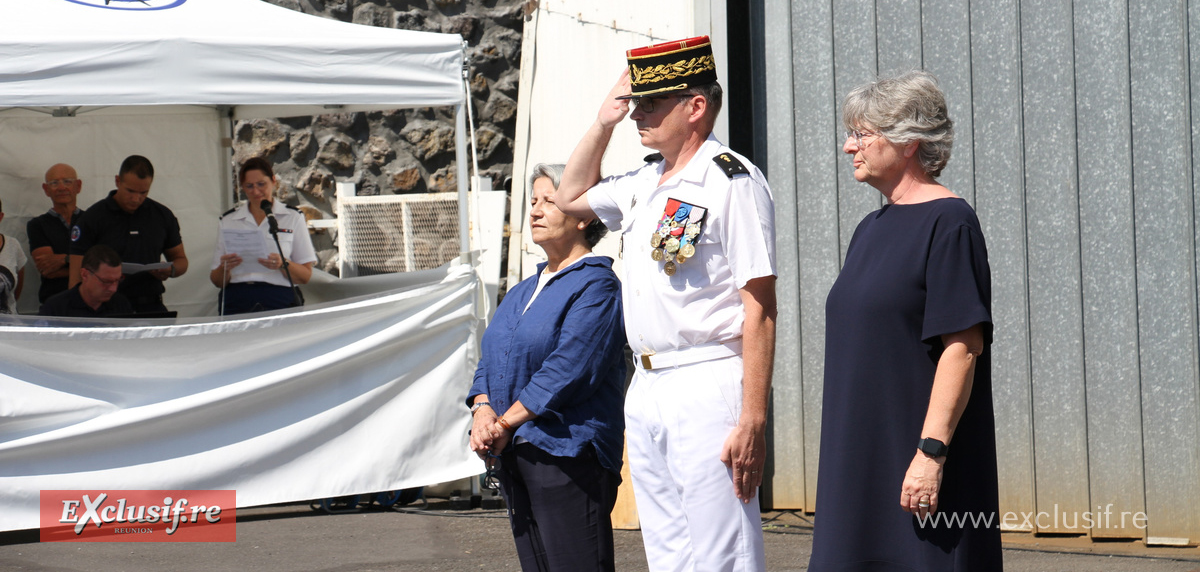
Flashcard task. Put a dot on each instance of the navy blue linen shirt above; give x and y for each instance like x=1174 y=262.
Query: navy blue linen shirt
x=563 y=359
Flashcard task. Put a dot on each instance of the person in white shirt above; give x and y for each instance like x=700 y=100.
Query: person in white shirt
x=12 y=271
x=698 y=250
x=264 y=283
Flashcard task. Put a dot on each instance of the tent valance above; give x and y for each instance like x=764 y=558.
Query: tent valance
x=259 y=59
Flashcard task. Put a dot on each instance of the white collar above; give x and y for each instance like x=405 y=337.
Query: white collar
x=697 y=166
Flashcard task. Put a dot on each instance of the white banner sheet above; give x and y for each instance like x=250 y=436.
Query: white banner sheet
x=333 y=400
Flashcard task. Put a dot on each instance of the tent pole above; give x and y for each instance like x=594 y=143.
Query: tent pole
x=521 y=144
x=460 y=157
x=228 y=178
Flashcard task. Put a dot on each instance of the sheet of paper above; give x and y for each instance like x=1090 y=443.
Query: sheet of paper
x=248 y=244
x=134 y=268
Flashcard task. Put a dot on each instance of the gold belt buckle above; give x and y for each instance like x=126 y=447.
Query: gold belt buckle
x=646 y=361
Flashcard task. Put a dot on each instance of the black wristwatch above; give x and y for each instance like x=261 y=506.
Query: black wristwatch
x=477 y=405
x=933 y=447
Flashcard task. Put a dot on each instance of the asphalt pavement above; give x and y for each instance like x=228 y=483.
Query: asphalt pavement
x=430 y=537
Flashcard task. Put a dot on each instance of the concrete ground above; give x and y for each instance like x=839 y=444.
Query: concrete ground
x=295 y=538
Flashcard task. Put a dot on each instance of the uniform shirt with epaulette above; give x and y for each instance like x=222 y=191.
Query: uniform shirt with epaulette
x=293 y=239
x=729 y=202
x=142 y=236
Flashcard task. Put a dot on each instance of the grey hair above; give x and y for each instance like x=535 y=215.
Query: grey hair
x=905 y=108
x=552 y=171
x=595 y=230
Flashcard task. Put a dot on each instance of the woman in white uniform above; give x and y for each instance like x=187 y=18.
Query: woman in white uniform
x=261 y=282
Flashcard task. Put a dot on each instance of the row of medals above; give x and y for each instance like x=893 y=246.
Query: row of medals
x=668 y=249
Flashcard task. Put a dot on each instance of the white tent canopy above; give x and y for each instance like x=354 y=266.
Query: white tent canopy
x=239 y=53
x=89 y=82
x=314 y=415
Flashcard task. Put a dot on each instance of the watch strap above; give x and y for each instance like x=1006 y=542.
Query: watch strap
x=933 y=447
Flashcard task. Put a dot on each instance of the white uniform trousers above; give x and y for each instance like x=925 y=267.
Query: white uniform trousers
x=677 y=420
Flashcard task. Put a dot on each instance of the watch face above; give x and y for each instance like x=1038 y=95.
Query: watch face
x=130 y=4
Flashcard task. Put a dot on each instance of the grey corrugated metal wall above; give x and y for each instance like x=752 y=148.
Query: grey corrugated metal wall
x=1074 y=144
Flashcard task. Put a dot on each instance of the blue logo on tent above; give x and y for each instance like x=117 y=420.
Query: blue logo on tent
x=130 y=4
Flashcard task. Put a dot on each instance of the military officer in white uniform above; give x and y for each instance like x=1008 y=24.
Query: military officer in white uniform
x=249 y=285
x=698 y=249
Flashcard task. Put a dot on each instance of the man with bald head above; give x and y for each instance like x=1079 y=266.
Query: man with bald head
x=50 y=233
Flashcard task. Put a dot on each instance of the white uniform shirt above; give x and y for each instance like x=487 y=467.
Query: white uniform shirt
x=293 y=238
x=701 y=302
x=12 y=258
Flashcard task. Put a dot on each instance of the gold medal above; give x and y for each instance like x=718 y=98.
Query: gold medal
x=680 y=257
x=655 y=240
x=692 y=230
x=687 y=251
x=669 y=268
x=672 y=245
x=657 y=254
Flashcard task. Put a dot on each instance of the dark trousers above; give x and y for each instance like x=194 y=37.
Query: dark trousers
x=559 y=509
x=245 y=297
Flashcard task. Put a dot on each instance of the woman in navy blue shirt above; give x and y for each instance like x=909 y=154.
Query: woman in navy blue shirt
x=548 y=393
x=907 y=477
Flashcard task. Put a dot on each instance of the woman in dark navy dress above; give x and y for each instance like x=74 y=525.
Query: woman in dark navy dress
x=907 y=478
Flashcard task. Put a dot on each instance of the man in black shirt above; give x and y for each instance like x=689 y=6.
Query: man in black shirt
x=139 y=229
x=96 y=294
x=50 y=233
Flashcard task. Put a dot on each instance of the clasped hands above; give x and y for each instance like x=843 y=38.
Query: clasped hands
x=488 y=435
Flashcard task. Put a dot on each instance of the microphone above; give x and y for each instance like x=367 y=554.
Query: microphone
x=266 y=207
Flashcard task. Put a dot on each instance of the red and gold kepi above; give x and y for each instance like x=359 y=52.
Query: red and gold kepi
x=671 y=66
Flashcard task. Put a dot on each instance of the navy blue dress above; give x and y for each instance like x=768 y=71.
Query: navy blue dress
x=912 y=273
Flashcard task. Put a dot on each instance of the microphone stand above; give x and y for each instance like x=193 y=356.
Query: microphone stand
x=274 y=226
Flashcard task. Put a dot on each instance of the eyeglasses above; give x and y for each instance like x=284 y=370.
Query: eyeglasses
x=858 y=137
x=647 y=105
x=261 y=185
x=61 y=182
x=106 y=283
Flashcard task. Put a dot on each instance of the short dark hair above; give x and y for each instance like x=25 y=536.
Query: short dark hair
x=712 y=92
x=256 y=164
x=594 y=232
x=100 y=254
x=140 y=166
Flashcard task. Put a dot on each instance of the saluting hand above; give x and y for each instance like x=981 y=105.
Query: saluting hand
x=613 y=110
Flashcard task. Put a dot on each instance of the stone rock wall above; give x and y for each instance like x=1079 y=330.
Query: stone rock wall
x=398 y=151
